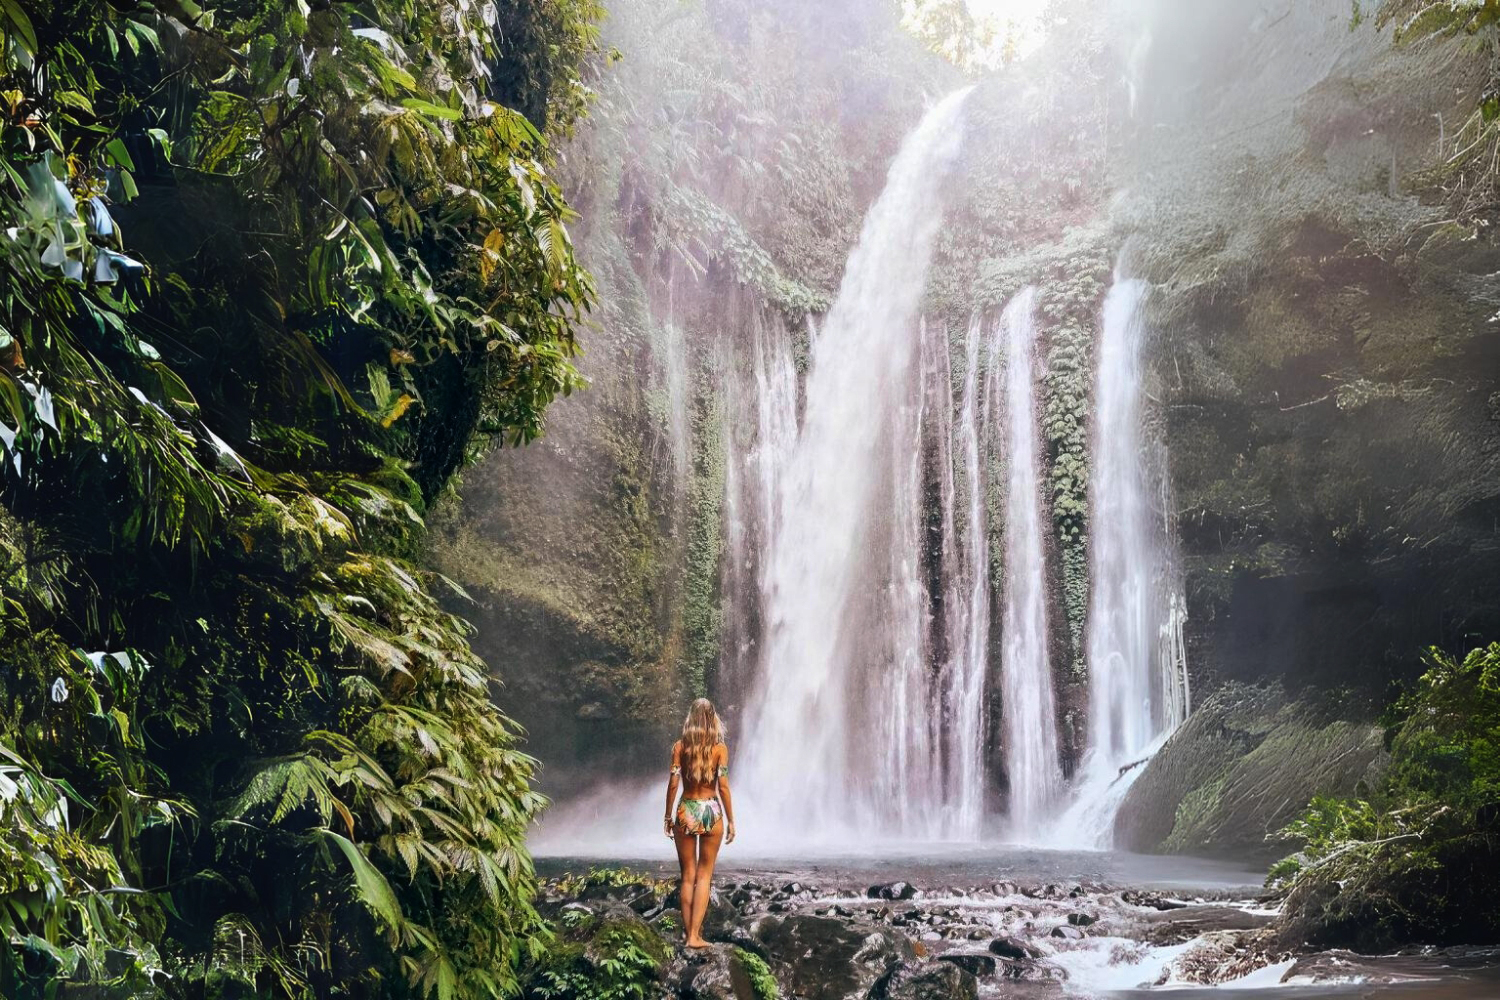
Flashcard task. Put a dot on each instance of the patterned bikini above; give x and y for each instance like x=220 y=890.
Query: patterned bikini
x=698 y=817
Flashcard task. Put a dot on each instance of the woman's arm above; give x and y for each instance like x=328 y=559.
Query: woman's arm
x=724 y=795
x=672 y=780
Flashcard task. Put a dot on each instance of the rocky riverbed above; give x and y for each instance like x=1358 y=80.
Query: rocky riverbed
x=776 y=935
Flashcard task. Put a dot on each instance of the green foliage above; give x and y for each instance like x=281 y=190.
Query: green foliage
x=615 y=961
x=1432 y=816
x=762 y=982
x=242 y=747
x=606 y=878
x=702 y=614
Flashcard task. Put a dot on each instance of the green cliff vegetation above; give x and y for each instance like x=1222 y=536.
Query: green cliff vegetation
x=1416 y=857
x=269 y=274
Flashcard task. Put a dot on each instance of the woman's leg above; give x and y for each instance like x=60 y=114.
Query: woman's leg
x=708 y=853
x=687 y=861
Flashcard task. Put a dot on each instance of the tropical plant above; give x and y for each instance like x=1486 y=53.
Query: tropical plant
x=1414 y=858
x=271 y=273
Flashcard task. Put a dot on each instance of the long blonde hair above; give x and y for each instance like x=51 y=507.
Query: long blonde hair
x=701 y=732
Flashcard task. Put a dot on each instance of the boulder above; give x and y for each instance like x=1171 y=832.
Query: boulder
x=823 y=958
x=892 y=890
x=1068 y=932
x=1081 y=919
x=974 y=963
x=926 y=981
x=716 y=973
x=1014 y=949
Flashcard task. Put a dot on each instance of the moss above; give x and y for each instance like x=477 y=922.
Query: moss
x=702 y=617
x=1242 y=766
x=1197 y=810
x=762 y=982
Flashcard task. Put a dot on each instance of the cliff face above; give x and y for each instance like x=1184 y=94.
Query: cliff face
x=1327 y=358
x=1323 y=363
x=1327 y=372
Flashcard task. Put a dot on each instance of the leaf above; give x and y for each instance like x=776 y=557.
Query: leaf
x=432 y=110
x=374 y=891
x=117 y=152
x=16 y=14
x=402 y=404
x=173 y=388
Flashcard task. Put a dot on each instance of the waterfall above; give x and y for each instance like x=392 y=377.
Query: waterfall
x=965 y=607
x=1028 y=706
x=834 y=738
x=761 y=426
x=1137 y=671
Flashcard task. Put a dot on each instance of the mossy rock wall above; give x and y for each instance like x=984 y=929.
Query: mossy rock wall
x=1244 y=765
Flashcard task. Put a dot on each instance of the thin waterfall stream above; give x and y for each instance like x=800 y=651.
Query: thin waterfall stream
x=1138 y=689
x=1027 y=700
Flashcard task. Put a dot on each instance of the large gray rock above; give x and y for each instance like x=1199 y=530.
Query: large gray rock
x=715 y=973
x=1246 y=763
x=926 y=981
x=824 y=958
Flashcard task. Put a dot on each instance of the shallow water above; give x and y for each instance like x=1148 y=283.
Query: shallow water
x=1113 y=963
x=949 y=866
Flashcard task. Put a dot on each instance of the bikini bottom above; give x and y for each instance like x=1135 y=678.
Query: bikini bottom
x=698 y=817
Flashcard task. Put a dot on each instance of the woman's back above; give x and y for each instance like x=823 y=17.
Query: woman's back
x=701 y=768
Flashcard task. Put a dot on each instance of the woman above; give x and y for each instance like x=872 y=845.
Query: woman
x=705 y=816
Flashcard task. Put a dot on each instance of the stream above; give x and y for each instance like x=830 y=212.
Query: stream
x=1032 y=923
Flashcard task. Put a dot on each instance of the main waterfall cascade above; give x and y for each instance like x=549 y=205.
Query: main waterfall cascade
x=819 y=715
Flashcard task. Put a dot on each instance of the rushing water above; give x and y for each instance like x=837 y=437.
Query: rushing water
x=1027 y=702
x=760 y=416
x=1137 y=677
x=844 y=611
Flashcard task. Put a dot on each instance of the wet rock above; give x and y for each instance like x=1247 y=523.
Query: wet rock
x=1221 y=956
x=1177 y=926
x=974 y=963
x=792 y=888
x=824 y=958
x=926 y=981
x=716 y=973
x=1013 y=949
x=892 y=890
x=1154 y=900
x=1068 y=933
x=1003 y=888
x=1081 y=919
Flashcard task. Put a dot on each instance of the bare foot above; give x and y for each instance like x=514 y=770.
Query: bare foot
x=696 y=943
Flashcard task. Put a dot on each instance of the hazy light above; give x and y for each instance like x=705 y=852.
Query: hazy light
x=1020 y=20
